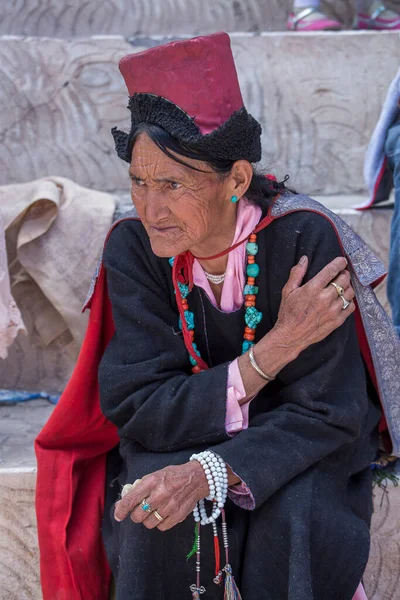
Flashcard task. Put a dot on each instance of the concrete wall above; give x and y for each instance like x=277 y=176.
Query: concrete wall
x=58 y=18
x=59 y=100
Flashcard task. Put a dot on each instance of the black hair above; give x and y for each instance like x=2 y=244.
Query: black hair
x=261 y=189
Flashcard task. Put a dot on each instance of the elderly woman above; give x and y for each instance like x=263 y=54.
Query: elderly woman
x=234 y=380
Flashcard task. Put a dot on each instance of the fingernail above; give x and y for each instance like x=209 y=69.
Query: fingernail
x=118 y=520
x=303 y=260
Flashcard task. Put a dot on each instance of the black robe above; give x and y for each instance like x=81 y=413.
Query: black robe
x=305 y=456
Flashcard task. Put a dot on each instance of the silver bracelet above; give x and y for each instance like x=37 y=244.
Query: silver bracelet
x=255 y=366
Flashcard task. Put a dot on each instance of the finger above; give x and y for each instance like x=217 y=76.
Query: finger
x=328 y=273
x=343 y=280
x=132 y=499
x=152 y=522
x=340 y=306
x=339 y=286
x=296 y=275
x=349 y=294
x=139 y=514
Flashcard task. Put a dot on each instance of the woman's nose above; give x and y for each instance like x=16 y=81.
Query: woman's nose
x=155 y=206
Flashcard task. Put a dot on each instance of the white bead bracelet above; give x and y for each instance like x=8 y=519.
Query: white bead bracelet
x=217 y=478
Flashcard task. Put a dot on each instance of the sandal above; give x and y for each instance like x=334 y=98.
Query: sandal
x=376 y=22
x=301 y=22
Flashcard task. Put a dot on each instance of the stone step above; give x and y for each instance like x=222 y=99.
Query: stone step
x=52 y=18
x=19 y=556
x=60 y=99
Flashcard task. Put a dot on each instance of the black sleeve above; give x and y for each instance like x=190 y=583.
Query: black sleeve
x=146 y=386
x=323 y=403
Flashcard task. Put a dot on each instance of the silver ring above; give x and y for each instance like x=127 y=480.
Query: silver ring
x=346 y=304
x=146 y=506
x=158 y=516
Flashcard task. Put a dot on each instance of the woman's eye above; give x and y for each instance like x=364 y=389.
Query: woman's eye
x=174 y=185
x=137 y=181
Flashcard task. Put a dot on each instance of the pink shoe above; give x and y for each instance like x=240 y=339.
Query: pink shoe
x=301 y=22
x=376 y=22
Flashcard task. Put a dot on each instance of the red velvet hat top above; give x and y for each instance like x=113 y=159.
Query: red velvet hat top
x=197 y=75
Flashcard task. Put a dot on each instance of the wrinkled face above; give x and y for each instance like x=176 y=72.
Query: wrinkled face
x=180 y=208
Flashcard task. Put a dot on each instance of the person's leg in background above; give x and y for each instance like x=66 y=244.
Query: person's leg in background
x=392 y=151
x=307 y=15
x=373 y=14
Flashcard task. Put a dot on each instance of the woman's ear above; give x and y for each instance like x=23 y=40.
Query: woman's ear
x=240 y=178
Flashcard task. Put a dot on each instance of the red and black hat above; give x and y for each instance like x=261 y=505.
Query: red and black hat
x=190 y=88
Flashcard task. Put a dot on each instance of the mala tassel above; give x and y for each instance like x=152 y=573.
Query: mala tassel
x=231 y=590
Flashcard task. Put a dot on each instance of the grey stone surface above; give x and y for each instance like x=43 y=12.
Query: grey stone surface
x=59 y=100
x=19 y=425
x=19 y=555
x=59 y=18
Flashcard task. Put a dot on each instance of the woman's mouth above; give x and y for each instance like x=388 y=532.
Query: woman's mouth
x=162 y=230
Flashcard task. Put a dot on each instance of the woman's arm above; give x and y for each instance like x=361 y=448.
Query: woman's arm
x=323 y=402
x=146 y=386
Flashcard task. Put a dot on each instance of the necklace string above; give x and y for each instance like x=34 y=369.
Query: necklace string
x=182 y=275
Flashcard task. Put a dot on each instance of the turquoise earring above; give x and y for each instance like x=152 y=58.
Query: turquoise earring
x=234 y=199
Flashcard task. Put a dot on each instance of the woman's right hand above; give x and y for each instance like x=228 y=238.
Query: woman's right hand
x=309 y=313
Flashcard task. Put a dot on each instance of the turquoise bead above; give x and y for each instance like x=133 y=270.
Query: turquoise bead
x=184 y=289
x=253 y=270
x=246 y=346
x=192 y=360
x=189 y=317
x=252 y=248
x=171 y=261
x=250 y=289
x=252 y=317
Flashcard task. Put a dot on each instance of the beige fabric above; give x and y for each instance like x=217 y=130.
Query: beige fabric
x=55 y=230
x=10 y=317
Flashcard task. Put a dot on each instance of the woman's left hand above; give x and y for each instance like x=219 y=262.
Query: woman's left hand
x=172 y=492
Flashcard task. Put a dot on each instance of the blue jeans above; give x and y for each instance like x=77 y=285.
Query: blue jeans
x=392 y=150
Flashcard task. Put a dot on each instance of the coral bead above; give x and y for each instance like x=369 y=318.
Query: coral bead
x=253 y=237
x=249 y=303
x=192 y=333
x=250 y=337
x=249 y=330
x=250 y=297
x=251 y=260
x=196 y=369
x=250 y=281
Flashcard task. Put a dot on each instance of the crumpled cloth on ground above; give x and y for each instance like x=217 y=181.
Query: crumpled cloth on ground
x=10 y=317
x=55 y=231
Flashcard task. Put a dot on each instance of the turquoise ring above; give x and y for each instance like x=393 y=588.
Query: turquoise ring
x=146 y=506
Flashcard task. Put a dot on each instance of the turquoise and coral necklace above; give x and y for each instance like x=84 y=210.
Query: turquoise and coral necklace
x=252 y=316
